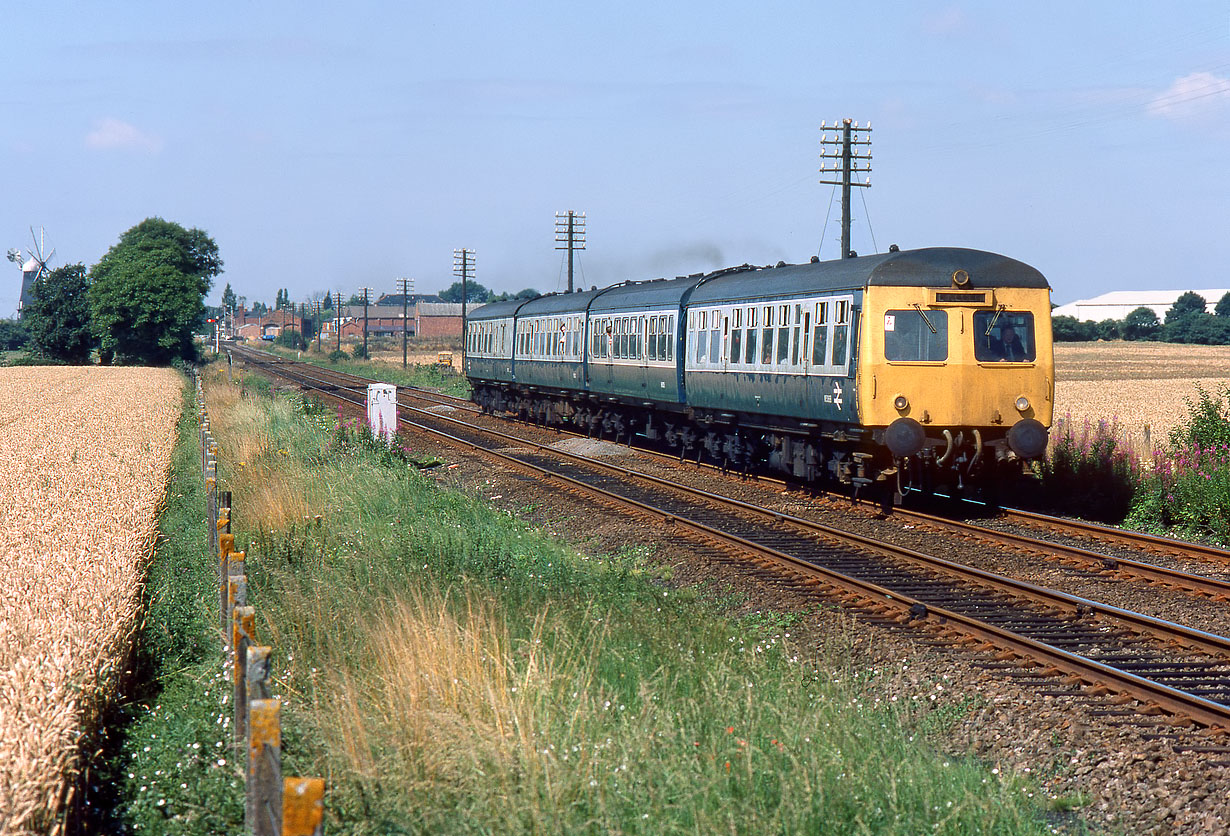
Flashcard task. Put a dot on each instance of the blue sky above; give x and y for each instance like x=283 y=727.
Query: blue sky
x=330 y=148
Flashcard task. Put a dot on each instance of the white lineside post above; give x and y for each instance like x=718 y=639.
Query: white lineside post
x=382 y=410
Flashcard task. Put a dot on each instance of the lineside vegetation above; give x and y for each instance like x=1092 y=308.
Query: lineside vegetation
x=453 y=670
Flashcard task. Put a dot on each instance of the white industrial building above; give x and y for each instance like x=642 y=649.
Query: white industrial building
x=1120 y=303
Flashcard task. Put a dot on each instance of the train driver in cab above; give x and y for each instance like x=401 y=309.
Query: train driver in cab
x=1008 y=347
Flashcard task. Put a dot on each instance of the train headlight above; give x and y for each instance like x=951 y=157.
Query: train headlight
x=1022 y=404
x=901 y=402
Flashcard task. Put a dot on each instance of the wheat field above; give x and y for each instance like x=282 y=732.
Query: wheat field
x=1143 y=386
x=84 y=456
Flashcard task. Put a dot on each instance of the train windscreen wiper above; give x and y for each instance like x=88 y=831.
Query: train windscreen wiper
x=923 y=314
x=994 y=319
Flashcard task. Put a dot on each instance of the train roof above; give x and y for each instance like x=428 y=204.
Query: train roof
x=930 y=267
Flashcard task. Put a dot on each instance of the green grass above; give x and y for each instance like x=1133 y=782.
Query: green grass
x=451 y=669
x=170 y=768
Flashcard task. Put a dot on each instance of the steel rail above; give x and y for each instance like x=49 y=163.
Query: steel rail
x=1135 y=539
x=1216 y=587
x=1203 y=711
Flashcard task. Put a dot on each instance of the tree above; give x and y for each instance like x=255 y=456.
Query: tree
x=147 y=292
x=1223 y=305
x=475 y=292
x=1066 y=329
x=1108 y=329
x=14 y=334
x=1141 y=324
x=229 y=300
x=328 y=303
x=59 y=315
x=1188 y=303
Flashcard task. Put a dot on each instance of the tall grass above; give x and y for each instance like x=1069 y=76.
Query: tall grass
x=453 y=670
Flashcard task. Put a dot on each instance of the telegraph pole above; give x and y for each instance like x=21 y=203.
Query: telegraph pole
x=366 y=292
x=840 y=154
x=337 y=309
x=463 y=266
x=405 y=286
x=317 y=306
x=570 y=231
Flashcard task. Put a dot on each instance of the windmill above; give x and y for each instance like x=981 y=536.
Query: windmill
x=33 y=268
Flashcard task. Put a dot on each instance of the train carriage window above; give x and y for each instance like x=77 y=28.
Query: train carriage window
x=749 y=350
x=915 y=335
x=1006 y=336
x=820 y=336
x=715 y=341
x=670 y=338
x=736 y=345
x=783 y=343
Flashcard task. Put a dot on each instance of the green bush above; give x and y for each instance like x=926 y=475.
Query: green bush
x=1088 y=472
x=359 y=352
x=337 y=355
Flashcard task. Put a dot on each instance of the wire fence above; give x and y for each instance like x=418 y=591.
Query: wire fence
x=274 y=805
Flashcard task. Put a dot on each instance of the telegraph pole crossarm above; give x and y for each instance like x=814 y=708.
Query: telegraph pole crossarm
x=405 y=286
x=570 y=232
x=840 y=155
x=463 y=266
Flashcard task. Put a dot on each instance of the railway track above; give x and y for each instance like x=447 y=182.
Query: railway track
x=1167 y=667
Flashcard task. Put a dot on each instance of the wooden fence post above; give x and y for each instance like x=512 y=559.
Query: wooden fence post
x=263 y=805
x=243 y=635
x=303 y=806
x=226 y=547
x=259 y=671
x=236 y=591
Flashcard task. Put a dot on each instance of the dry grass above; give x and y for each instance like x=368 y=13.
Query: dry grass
x=250 y=462
x=1144 y=386
x=84 y=455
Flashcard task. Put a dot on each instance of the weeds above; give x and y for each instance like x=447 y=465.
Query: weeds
x=1188 y=487
x=453 y=669
x=1089 y=472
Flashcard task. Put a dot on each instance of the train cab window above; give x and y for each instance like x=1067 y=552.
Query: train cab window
x=1006 y=336
x=915 y=335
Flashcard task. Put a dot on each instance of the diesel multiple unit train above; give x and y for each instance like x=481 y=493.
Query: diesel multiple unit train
x=907 y=368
